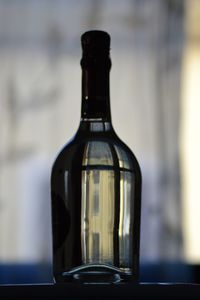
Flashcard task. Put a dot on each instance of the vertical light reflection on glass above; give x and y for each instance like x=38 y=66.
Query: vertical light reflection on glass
x=121 y=222
x=124 y=221
x=84 y=221
x=66 y=184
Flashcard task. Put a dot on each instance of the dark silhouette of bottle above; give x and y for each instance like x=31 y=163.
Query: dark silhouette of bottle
x=96 y=186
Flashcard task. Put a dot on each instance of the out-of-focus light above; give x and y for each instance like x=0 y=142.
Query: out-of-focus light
x=190 y=152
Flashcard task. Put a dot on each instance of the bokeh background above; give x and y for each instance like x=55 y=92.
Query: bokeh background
x=155 y=103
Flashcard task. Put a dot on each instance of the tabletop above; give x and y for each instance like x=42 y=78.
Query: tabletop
x=101 y=291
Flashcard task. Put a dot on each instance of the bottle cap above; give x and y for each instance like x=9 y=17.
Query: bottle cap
x=96 y=39
x=96 y=47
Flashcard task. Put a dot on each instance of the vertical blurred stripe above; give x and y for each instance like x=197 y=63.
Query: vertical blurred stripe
x=190 y=133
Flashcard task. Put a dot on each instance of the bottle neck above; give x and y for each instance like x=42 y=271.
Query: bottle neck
x=95 y=93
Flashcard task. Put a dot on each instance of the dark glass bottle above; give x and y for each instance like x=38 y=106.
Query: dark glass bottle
x=96 y=186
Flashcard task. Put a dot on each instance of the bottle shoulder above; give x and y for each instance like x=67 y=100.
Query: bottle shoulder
x=96 y=149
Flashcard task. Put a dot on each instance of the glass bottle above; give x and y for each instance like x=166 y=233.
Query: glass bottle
x=96 y=186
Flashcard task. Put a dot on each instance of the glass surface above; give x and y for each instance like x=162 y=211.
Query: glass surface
x=96 y=186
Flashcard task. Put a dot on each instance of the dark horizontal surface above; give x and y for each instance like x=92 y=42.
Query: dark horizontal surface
x=120 y=291
x=34 y=281
x=149 y=272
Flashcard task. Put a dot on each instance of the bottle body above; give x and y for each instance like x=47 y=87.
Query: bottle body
x=96 y=187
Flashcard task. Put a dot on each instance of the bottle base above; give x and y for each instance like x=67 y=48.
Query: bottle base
x=96 y=274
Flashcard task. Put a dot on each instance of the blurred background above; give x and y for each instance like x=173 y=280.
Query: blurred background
x=155 y=103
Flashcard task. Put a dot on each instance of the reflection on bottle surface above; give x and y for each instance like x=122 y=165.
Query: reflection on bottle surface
x=98 y=206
